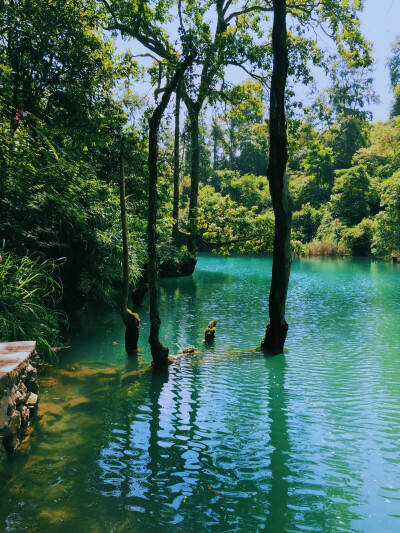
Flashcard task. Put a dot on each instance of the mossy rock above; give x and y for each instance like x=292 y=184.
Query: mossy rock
x=209 y=333
x=177 y=268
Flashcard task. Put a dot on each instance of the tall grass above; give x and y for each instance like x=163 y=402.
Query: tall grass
x=325 y=248
x=29 y=291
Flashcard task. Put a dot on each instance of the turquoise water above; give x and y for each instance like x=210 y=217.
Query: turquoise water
x=226 y=440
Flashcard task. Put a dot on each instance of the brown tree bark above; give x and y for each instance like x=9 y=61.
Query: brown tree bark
x=276 y=330
x=130 y=319
x=175 y=210
x=159 y=352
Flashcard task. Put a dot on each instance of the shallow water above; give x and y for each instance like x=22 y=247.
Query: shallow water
x=226 y=440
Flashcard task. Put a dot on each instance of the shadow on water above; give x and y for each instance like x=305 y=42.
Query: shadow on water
x=179 y=294
x=277 y=519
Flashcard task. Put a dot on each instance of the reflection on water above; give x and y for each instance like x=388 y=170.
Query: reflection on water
x=225 y=440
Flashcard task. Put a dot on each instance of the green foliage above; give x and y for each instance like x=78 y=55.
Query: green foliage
x=63 y=70
x=29 y=291
x=355 y=211
x=358 y=239
x=251 y=191
x=228 y=227
x=386 y=240
x=395 y=112
x=351 y=90
x=239 y=135
x=59 y=143
x=308 y=189
x=167 y=250
x=394 y=70
x=331 y=229
x=351 y=195
x=318 y=161
x=394 y=64
x=55 y=205
x=383 y=150
x=222 y=179
x=305 y=223
x=346 y=137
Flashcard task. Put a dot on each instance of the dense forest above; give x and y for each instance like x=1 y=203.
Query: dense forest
x=82 y=117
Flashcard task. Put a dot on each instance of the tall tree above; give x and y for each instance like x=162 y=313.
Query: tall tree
x=175 y=211
x=130 y=319
x=276 y=330
x=158 y=350
x=232 y=43
x=344 y=25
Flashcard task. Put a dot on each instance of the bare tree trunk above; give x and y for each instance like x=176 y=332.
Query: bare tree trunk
x=231 y=146
x=215 y=147
x=130 y=319
x=194 y=111
x=158 y=351
x=276 y=330
x=175 y=211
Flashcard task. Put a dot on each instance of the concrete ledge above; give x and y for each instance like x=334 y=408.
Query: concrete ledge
x=13 y=355
x=18 y=389
x=18 y=346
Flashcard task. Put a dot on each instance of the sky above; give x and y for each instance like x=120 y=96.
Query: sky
x=380 y=23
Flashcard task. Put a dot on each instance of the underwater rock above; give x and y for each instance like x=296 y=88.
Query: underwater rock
x=24 y=415
x=32 y=400
x=33 y=386
x=14 y=423
x=189 y=349
x=22 y=393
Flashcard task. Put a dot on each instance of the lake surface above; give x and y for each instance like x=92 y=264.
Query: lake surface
x=226 y=440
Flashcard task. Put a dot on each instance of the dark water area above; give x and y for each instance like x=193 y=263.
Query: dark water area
x=226 y=440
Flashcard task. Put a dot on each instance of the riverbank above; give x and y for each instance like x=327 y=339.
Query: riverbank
x=19 y=393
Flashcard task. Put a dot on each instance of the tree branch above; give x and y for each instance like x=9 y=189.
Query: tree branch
x=257 y=77
x=153 y=44
x=180 y=16
x=227 y=5
x=253 y=9
x=262 y=238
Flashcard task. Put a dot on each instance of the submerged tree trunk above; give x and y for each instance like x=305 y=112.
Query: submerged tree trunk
x=130 y=319
x=175 y=211
x=158 y=351
x=276 y=330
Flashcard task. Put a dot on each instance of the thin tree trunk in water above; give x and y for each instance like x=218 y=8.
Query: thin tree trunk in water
x=276 y=330
x=194 y=111
x=130 y=319
x=231 y=146
x=215 y=150
x=158 y=351
x=175 y=212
